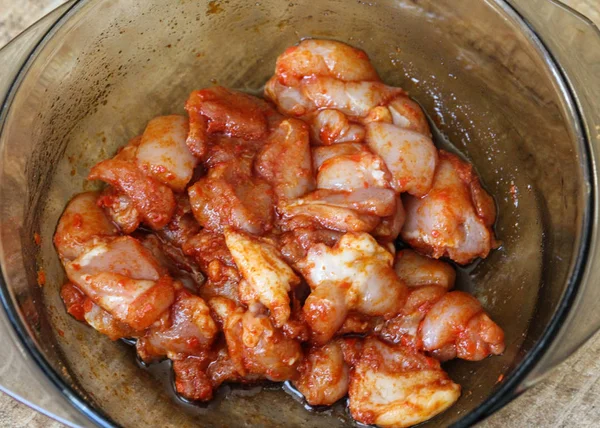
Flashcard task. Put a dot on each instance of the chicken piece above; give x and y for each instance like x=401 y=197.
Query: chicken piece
x=209 y=250
x=269 y=279
x=230 y=196
x=389 y=228
x=455 y=218
x=191 y=380
x=324 y=376
x=186 y=329
x=354 y=99
x=457 y=327
x=407 y=114
x=285 y=160
x=392 y=386
x=333 y=127
x=316 y=214
x=120 y=209
x=83 y=309
x=409 y=156
x=255 y=346
x=218 y=109
x=350 y=172
x=290 y=101
x=417 y=270
x=105 y=323
x=376 y=201
x=356 y=274
x=315 y=57
x=404 y=328
x=323 y=153
x=153 y=200
x=82 y=223
x=294 y=245
x=123 y=278
x=163 y=153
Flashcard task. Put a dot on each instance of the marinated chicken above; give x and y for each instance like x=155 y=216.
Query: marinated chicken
x=256 y=239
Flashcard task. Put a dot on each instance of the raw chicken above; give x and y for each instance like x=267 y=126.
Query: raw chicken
x=323 y=375
x=285 y=160
x=163 y=153
x=455 y=218
x=323 y=58
x=356 y=274
x=267 y=278
x=409 y=156
x=152 y=199
x=82 y=223
x=393 y=386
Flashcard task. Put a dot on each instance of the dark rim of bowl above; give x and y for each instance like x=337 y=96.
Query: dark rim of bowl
x=508 y=389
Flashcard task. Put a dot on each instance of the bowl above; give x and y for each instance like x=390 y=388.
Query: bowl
x=516 y=102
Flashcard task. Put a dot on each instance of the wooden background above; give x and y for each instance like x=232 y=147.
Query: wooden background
x=568 y=397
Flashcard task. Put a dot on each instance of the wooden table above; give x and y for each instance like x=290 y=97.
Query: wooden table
x=568 y=397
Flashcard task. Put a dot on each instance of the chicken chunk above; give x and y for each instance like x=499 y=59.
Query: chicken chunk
x=218 y=109
x=163 y=153
x=255 y=346
x=356 y=274
x=153 y=200
x=269 y=279
x=123 y=278
x=82 y=223
x=407 y=114
x=455 y=218
x=84 y=309
x=350 y=172
x=231 y=196
x=410 y=157
x=285 y=160
x=457 y=327
x=417 y=270
x=324 y=375
x=120 y=209
x=323 y=58
x=393 y=386
x=186 y=329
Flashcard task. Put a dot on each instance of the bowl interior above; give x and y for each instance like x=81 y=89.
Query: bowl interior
x=114 y=65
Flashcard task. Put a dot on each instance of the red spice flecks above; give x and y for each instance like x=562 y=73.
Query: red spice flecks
x=41 y=278
x=37 y=239
x=500 y=378
x=60 y=332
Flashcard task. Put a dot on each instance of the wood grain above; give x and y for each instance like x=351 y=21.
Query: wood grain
x=568 y=397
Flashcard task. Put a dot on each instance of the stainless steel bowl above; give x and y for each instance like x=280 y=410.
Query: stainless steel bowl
x=511 y=84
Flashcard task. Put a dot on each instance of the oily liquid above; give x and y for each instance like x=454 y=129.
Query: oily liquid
x=163 y=373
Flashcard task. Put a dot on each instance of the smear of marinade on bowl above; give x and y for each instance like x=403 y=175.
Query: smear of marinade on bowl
x=255 y=239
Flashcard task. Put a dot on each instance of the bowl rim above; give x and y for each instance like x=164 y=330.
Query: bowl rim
x=509 y=388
